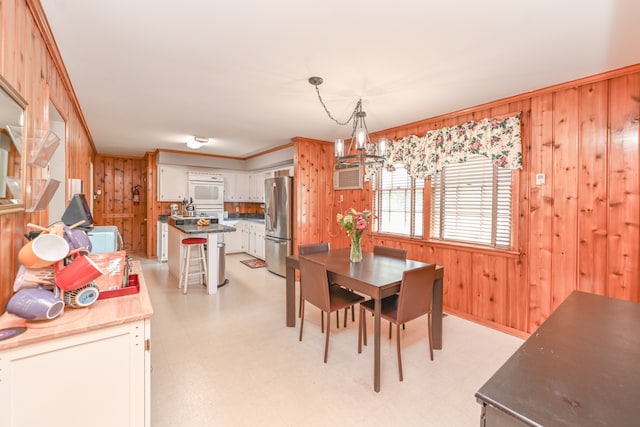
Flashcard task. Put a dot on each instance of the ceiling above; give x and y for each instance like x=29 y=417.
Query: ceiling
x=149 y=73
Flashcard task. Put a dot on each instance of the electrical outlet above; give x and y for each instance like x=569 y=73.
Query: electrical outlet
x=540 y=179
x=237 y=209
x=341 y=198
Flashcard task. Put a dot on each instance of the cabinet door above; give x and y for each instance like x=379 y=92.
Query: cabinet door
x=172 y=183
x=244 y=236
x=229 y=180
x=258 y=185
x=233 y=241
x=105 y=382
x=243 y=187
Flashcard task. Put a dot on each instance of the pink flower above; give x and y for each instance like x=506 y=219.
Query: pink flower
x=361 y=224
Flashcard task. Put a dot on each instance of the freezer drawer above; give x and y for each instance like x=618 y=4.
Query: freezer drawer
x=276 y=252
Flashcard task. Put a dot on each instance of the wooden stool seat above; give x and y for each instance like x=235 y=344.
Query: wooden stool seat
x=187 y=244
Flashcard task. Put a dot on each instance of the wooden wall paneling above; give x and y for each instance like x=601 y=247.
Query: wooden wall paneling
x=99 y=184
x=624 y=200
x=308 y=203
x=540 y=211
x=518 y=312
x=565 y=195
x=592 y=190
x=489 y=277
x=153 y=207
x=458 y=284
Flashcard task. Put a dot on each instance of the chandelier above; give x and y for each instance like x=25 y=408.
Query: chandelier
x=366 y=153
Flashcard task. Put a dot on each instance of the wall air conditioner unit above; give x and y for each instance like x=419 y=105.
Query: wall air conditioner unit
x=348 y=177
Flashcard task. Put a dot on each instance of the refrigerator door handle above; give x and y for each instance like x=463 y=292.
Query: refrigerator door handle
x=273 y=211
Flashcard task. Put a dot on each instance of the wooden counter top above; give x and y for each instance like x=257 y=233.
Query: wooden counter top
x=101 y=314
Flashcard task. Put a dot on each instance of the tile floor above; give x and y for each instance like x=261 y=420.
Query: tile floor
x=229 y=360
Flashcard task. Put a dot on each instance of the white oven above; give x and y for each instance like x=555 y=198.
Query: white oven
x=206 y=189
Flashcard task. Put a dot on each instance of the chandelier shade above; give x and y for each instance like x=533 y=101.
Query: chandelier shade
x=361 y=150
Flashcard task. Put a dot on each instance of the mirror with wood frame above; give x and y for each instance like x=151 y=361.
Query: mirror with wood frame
x=12 y=169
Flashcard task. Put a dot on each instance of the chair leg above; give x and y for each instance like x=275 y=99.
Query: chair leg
x=399 y=354
x=353 y=313
x=389 y=330
x=364 y=329
x=360 y=323
x=338 y=319
x=430 y=334
x=300 y=306
x=301 y=320
x=322 y=321
x=346 y=309
x=326 y=340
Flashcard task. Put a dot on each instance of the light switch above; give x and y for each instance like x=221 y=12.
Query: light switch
x=539 y=179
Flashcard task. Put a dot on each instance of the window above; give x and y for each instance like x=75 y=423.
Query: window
x=397 y=202
x=471 y=202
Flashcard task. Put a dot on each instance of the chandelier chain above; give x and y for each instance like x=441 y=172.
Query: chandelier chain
x=353 y=113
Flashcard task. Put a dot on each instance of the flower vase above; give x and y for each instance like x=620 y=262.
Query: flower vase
x=356 y=250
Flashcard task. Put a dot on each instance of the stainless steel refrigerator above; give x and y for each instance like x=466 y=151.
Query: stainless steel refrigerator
x=278 y=213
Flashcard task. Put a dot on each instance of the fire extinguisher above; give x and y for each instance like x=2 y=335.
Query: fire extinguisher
x=136 y=195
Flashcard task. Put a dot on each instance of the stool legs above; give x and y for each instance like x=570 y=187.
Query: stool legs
x=186 y=266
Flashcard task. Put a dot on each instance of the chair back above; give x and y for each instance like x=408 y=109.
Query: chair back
x=390 y=252
x=416 y=293
x=313 y=248
x=314 y=283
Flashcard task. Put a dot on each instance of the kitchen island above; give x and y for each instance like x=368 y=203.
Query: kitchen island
x=89 y=366
x=184 y=227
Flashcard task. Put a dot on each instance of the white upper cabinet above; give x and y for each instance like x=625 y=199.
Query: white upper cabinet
x=172 y=183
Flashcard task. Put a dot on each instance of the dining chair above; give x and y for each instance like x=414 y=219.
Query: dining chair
x=414 y=300
x=316 y=290
x=390 y=252
x=311 y=248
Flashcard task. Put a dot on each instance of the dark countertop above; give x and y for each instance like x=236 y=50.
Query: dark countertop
x=580 y=368
x=195 y=228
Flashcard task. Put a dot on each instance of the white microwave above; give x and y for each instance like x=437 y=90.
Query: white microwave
x=206 y=190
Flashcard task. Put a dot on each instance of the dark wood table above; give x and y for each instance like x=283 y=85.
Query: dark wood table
x=375 y=276
x=580 y=368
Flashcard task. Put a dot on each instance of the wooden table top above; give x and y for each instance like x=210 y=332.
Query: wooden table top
x=101 y=314
x=580 y=368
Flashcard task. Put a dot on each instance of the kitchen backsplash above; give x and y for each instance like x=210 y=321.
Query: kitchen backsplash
x=244 y=210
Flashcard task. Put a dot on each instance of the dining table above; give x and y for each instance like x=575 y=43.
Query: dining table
x=376 y=276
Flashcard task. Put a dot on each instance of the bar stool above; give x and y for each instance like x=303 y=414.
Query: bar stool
x=187 y=244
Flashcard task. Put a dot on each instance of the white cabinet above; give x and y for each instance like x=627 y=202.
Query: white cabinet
x=245 y=233
x=229 y=180
x=243 y=187
x=257 y=186
x=252 y=238
x=163 y=241
x=233 y=240
x=258 y=241
x=97 y=378
x=172 y=183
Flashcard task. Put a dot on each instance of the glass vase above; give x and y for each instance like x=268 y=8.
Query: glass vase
x=356 y=250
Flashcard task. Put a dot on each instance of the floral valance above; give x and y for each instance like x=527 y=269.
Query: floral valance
x=424 y=156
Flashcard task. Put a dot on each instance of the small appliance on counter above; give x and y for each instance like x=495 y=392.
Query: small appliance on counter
x=174 y=209
x=189 y=208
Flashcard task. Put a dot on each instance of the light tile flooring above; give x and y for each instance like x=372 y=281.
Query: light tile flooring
x=228 y=359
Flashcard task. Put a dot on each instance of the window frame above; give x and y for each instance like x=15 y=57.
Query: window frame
x=514 y=229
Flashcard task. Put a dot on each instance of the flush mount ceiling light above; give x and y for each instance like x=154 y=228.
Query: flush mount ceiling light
x=195 y=142
x=367 y=153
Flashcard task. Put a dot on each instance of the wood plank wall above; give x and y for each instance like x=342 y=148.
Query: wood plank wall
x=580 y=231
x=27 y=63
x=116 y=177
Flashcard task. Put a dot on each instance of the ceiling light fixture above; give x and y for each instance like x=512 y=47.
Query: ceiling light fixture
x=195 y=142
x=368 y=154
